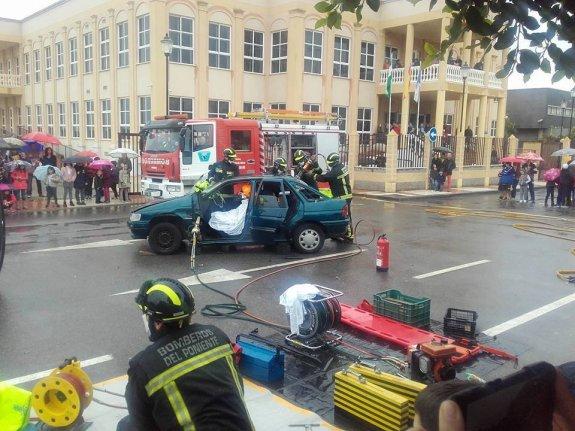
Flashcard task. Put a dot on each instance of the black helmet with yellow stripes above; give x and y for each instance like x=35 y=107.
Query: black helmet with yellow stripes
x=332 y=159
x=166 y=300
x=280 y=163
x=230 y=154
x=299 y=156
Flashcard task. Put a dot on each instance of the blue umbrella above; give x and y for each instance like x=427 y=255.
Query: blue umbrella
x=41 y=172
x=33 y=147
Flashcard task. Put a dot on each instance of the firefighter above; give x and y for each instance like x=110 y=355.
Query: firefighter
x=279 y=167
x=187 y=379
x=225 y=169
x=339 y=184
x=305 y=168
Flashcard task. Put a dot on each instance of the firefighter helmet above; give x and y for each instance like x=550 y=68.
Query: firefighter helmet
x=165 y=300
x=299 y=156
x=332 y=159
x=230 y=154
x=280 y=163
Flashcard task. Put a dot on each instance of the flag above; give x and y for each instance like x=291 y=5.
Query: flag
x=416 y=95
x=388 y=84
x=406 y=81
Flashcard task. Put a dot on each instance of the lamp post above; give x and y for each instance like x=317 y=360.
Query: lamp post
x=167 y=46
x=464 y=75
x=571 y=116
x=563 y=106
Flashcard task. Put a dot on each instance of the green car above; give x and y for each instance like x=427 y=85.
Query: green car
x=276 y=209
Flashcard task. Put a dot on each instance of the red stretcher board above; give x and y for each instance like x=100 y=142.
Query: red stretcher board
x=406 y=336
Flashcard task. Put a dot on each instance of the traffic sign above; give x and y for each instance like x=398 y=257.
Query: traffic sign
x=433 y=135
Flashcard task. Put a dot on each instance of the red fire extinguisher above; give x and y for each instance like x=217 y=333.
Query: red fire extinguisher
x=382 y=260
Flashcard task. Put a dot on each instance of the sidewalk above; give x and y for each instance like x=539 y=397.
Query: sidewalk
x=37 y=204
x=425 y=194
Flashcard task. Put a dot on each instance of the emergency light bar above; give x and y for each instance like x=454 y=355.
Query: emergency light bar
x=172 y=117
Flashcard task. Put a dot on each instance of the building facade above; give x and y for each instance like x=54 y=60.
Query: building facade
x=538 y=113
x=84 y=70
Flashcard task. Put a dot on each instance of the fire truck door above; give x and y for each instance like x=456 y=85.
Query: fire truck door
x=246 y=144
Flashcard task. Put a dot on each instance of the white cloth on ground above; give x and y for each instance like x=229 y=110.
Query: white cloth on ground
x=292 y=299
x=230 y=222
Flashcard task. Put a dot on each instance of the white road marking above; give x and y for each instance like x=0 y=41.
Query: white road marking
x=97 y=244
x=295 y=261
x=453 y=268
x=524 y=318
x=217 y=276
x=39 y=375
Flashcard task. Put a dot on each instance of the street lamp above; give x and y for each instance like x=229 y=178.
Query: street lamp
x=571 y=118
x=563 y=106
x=167 y=46
x=464 y=75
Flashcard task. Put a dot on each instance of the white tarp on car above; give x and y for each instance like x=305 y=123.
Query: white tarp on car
x=230 y=222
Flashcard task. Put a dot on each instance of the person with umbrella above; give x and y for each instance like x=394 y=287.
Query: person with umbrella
x=506 y=177
x=565 y=184
x=20 y=183
x=99 y=185
x=49 y=159
x=532 y=171
x=80 y=184
x=69 y=176
x=53 y=180
x=448 y=168
x=551 y=177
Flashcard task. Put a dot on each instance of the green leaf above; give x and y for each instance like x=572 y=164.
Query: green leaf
x=431 y=4
x=332 y=19
x=485 y=42
x=531 y=23
x=452 y=4
x=558 y=76
x=526 y=77
x=358 y=15
x=427 y=61
x=429 y=48
x=476 y=22
x=505 y=70
x=373 y=4
x=324 y=7
x=338 y=22
x=446 y=9
x=529 y=59
x=320 y=23
x=506 y=39
x=545 y=66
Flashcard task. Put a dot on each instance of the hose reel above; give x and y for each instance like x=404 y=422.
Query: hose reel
x=60 y=398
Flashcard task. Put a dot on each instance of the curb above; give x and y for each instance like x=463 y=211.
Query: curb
x=42 y=209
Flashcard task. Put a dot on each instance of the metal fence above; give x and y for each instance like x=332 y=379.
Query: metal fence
x=410 y=151
x=499 y=149
x=474 y=151
x=449 y=142
x=372 y=151
x=65 y=151
x=343 y=148
x=549 y=162
x=132 y=141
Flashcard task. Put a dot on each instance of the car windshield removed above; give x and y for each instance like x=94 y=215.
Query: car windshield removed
x=162 y=141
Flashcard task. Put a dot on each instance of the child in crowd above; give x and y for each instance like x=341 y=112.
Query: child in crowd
x=7 y=199
x=20 y=186
x=524 y=181
x=80 y=184
x=436 y=177
x=69 y=176
x=99 y=186
x=550 y=187
x=53 y=180
x=124 y=177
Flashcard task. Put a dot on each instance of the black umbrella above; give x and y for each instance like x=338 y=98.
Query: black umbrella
x=77 y=159
x=442 y=150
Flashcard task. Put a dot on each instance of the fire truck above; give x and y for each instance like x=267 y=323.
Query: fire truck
x=178 y=151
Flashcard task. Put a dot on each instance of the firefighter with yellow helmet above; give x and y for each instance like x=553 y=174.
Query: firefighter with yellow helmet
x=338 y=178
x=187 y=379
x=306 y=168
x=225 y=169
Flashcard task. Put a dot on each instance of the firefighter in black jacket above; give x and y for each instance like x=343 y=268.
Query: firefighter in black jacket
x=225 y=169
x=339 y=184
x=187 y=379
x=280 y=166
x=305 y=168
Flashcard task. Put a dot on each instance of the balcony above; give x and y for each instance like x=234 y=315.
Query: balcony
x=478 y=78
x=10 y=84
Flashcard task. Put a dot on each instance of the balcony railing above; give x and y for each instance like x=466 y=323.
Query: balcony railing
x=10 y=81
x=431 y=74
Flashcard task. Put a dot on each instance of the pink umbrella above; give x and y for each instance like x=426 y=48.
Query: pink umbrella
x=551 y=174
x=531 y=157
x=4 y=187
x=512 y=159
x=87 y=153
x=42 y=138
x=101 y=164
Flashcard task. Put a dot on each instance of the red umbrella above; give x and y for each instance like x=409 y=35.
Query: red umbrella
x=531 y=157
x=42 y=138
x=87 y=153
x=101 y=164
x=512 y=159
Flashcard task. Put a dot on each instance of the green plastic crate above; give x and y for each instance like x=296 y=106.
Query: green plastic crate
x=404 y=308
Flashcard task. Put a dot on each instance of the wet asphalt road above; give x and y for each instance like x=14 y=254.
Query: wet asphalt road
x=56 y=304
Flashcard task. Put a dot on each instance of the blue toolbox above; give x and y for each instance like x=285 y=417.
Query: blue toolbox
x=259 y=361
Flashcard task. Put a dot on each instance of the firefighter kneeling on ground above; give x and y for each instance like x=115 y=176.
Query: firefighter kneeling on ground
x=187 y=379
x=339 y=184
x=225 y=169
x=280 y=167
x=306 y=168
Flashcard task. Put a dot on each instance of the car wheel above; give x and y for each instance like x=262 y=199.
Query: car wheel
x=165 y=238
x=308 y=238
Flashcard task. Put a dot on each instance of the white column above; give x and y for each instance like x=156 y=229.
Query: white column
x=405 y=101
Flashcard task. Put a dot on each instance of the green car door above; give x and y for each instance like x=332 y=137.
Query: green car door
x=270 y=211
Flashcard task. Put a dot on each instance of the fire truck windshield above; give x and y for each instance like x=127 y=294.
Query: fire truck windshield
x=163 y=141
